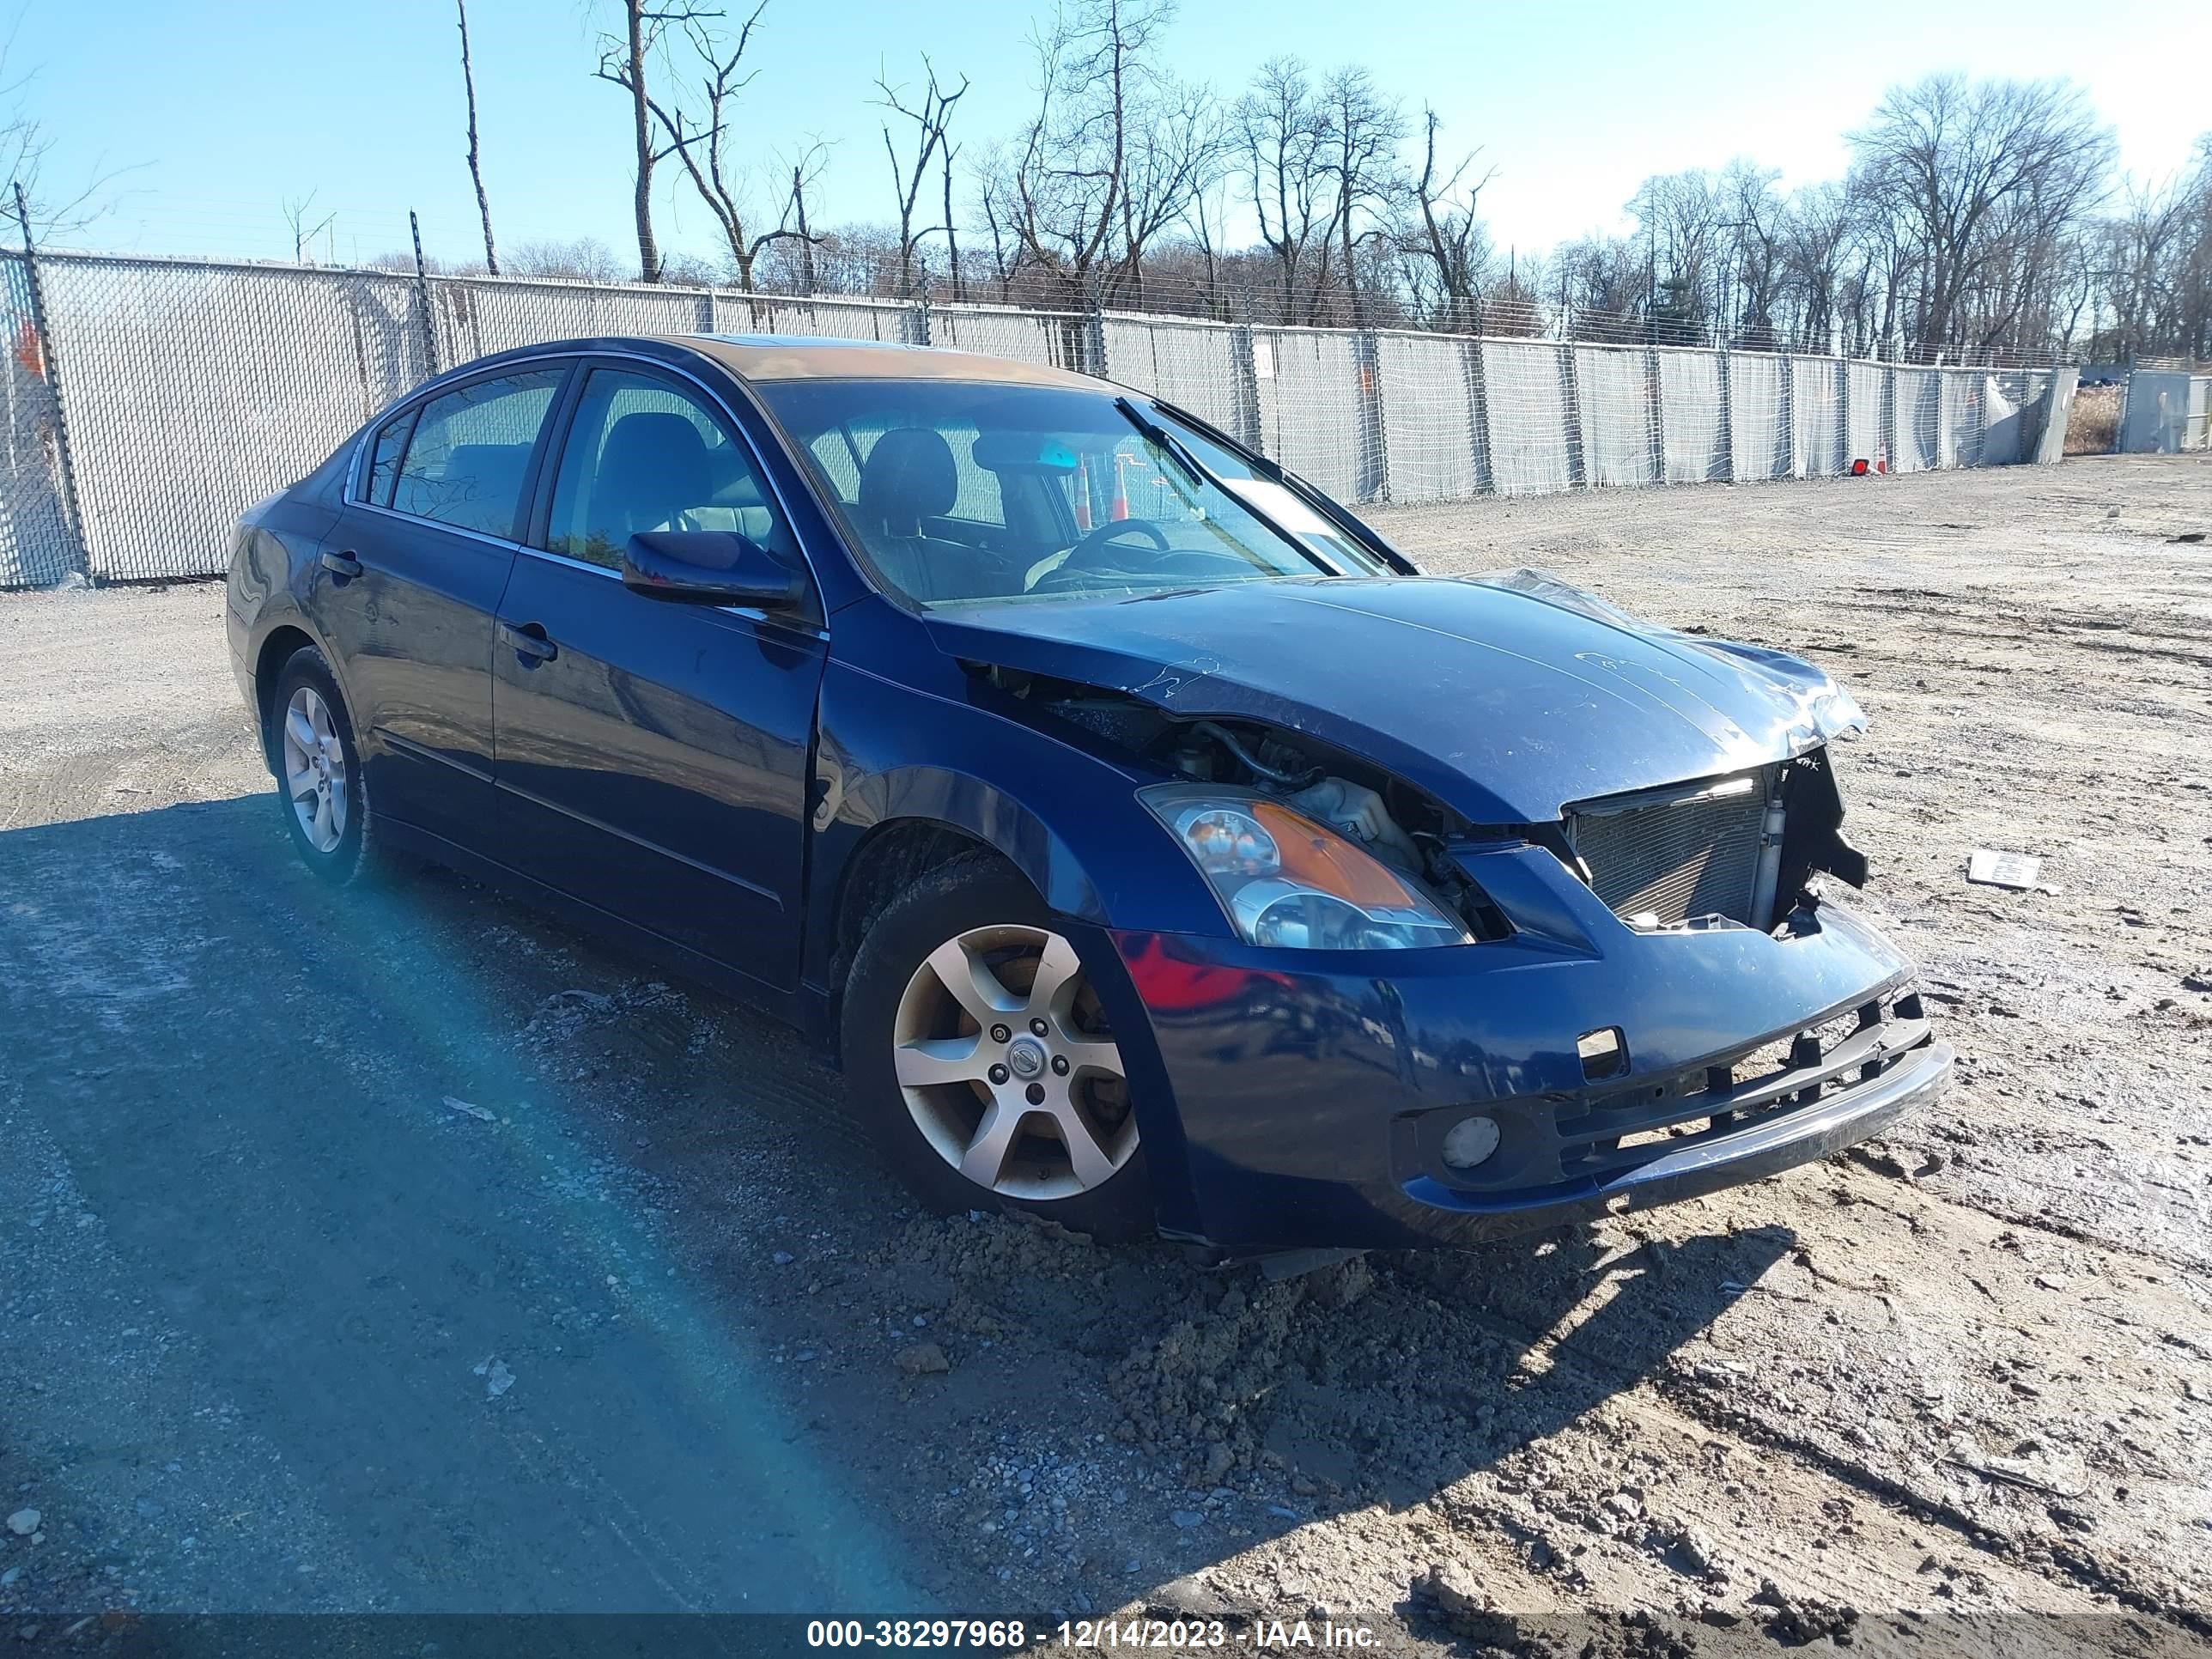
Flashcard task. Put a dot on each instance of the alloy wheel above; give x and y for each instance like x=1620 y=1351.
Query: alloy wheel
x=314 y=770
x=1005 y=1062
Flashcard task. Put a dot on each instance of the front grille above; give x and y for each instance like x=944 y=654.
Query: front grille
x=1672 y=856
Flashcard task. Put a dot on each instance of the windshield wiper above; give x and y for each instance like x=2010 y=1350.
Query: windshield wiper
x=1198 y=475
x=1168 y=440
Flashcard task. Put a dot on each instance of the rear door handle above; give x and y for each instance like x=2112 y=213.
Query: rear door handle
x=341 y=564
x=529 y=642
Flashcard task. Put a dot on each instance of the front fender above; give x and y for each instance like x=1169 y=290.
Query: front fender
x=1068 y=819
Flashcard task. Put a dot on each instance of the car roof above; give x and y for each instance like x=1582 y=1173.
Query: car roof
x=764 y=357
x=775 y=358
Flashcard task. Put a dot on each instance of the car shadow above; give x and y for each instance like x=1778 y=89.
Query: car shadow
x=1185 y=1412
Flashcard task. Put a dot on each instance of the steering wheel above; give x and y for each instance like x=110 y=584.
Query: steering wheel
x=1084 y=550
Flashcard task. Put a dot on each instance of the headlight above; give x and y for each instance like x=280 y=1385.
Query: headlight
x=1287 y=881
x=1835 y=714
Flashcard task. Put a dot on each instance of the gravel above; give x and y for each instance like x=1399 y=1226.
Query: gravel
x=249 y=1259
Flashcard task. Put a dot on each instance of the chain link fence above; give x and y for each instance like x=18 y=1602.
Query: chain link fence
x=149 y=400
x=2165 y=411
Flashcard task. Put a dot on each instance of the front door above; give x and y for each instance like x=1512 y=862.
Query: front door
x=410 y=583
x=653 y=758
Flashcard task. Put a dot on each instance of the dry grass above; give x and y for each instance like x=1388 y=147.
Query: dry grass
x=2094 y=426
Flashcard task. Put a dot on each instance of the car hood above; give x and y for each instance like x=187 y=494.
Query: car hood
x=1507 y=695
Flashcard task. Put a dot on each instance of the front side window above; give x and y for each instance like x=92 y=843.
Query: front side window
x=644 y=454
x=958 y=491
x=469 y=450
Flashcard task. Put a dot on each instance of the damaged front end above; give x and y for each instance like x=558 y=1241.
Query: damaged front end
x=1641 y=992
x=1741 y=850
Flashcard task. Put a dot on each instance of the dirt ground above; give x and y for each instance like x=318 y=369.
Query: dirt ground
x=417 y=1254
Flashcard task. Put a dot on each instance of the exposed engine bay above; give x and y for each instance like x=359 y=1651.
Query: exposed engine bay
x=1412 y=833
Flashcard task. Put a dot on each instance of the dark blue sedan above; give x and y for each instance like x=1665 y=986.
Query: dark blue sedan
x=1151 y=845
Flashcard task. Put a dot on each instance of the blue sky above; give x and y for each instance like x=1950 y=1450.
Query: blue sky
x=221 y=113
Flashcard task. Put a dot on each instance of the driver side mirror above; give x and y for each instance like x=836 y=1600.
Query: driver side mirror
x=711 y=567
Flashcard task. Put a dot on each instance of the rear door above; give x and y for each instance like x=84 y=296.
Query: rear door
x=409 y=585
x=653 y=758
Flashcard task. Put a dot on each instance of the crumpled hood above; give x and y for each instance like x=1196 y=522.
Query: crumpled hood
x=1507 y=695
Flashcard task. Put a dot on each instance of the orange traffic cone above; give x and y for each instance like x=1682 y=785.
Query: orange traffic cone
x=1120 y=509
x=1082 y=494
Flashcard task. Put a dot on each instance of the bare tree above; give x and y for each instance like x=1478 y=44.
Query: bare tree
x=1175 y=149
x=24 y=145
x=623 y=60
x=1451 y=234
x=1283 y=136
x=702 y=141
x=931 y=116
x=2145 y=270
x=1059 y=189
x=1818 y=228
x=1976 y=172
x=588 y=260
x=1603 y=282
x=303 y=233
x=1755 y=252
x=1364 y=130
x=989 y=171
x=1204 y=214
x=1679 y=219
x=946 y=154
x=475 y=164
x=806 y=169
x=2135 y=251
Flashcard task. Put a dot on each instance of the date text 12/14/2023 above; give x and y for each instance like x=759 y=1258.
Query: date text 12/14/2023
x=1014 y=1635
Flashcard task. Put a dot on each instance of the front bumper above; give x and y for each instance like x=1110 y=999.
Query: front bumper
x=1309 y=1093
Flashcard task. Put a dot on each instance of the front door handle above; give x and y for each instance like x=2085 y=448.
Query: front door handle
x=342 y=565
x=529 y=642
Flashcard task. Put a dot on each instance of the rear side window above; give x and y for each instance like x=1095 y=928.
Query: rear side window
x=470 y=449
x=384 y=465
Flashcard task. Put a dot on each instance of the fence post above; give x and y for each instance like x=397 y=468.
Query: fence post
x=1946 y=440
x=1885 y=431
x=1247 y=369
x=422 y=295
x=1478 y=415
x=1655 y=392
x=72 y=514
x=1374 y=436
x=1788 y=411
x=1725 y=360
x=918 y=322
x=1571 y=416
x=1843 y=374
x=1093 y=339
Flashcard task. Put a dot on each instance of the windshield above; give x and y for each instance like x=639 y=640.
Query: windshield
x=958 y=491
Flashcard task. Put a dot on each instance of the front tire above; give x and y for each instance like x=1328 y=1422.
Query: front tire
x=320 y=785
x=978 y=1058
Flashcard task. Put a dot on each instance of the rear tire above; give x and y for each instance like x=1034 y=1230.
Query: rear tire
x=978 y=1060
x=321 y=788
